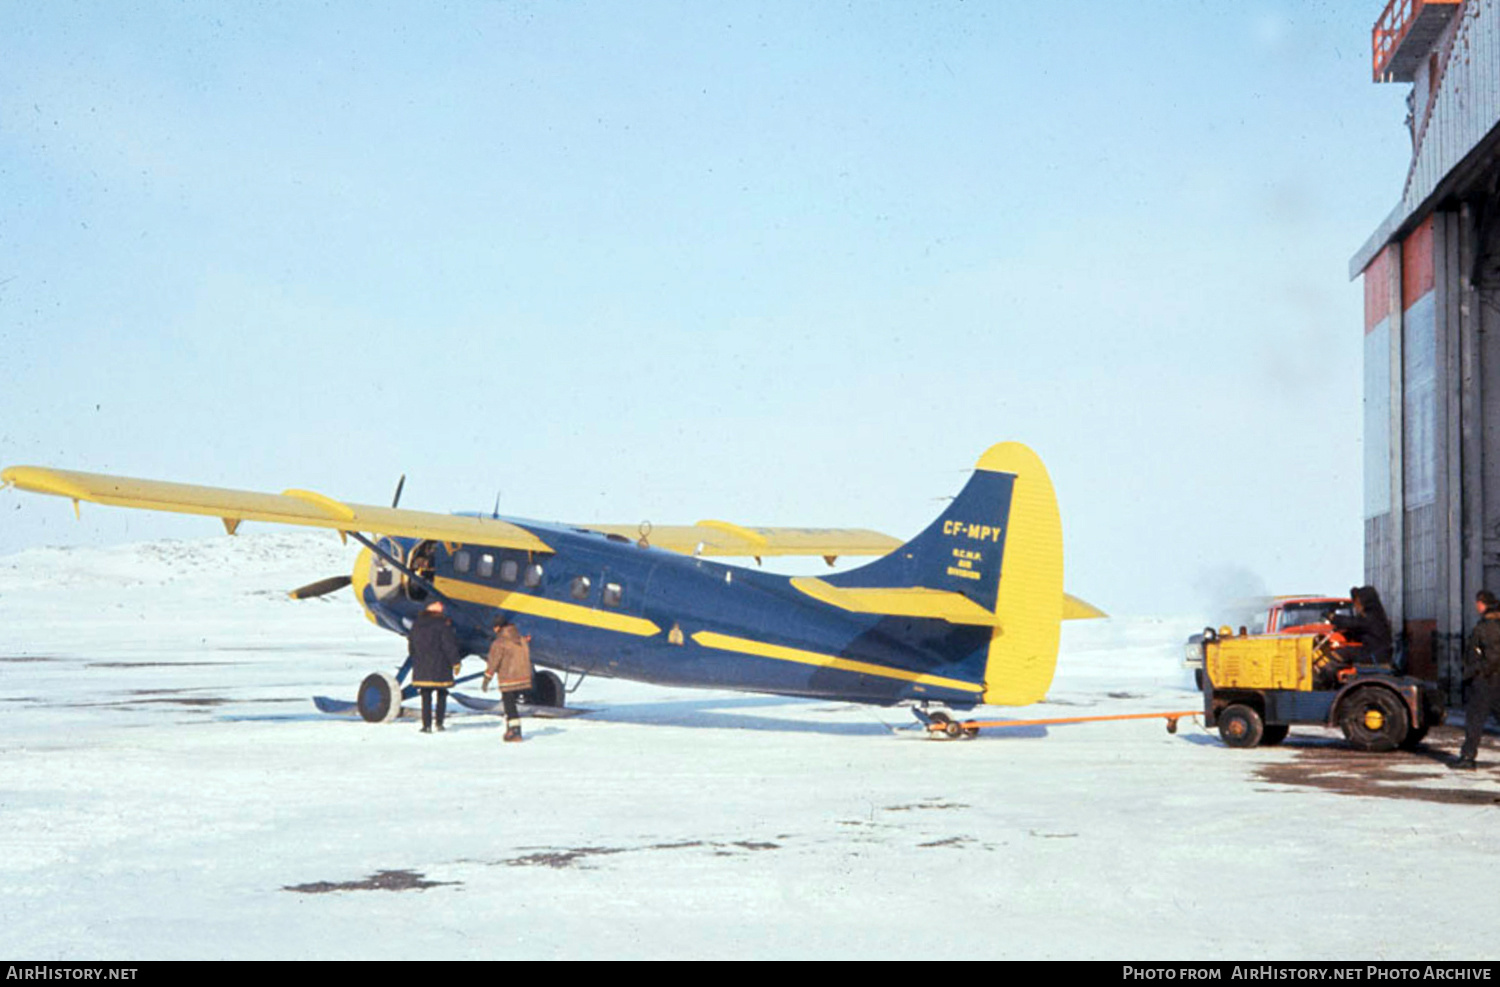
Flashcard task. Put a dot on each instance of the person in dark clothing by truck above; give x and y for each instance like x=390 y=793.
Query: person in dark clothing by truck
x=1482 y=675
x=1368 y=629
x=435 y=656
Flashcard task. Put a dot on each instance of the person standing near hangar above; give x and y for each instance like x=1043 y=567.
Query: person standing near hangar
x=1482 y=675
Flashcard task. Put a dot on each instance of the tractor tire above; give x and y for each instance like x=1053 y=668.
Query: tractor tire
x=1414 y=737
x=1274 y=734
x=1374 y=719
x=1240 y=726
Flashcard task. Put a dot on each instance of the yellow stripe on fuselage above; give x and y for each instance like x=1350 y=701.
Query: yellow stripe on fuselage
x=540 y=606
x=726 y=642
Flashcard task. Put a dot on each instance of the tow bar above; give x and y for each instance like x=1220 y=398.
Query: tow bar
x=942 y=723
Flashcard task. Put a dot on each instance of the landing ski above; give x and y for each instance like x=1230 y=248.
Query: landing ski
x=336 y=706
x=481 y=705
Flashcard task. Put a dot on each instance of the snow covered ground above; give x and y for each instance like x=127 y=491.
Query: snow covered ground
x=167 y=790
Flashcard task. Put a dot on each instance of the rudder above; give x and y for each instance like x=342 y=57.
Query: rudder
x=1023 y=650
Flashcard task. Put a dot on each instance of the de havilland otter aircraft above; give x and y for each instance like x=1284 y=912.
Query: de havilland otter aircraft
x=967 y=612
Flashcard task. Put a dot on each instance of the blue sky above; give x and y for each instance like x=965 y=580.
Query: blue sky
x=771 y=262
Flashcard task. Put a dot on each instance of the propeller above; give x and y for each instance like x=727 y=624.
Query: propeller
x=320 y=588
x=400 y=484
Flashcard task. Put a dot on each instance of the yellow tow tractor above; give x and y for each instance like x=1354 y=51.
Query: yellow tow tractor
x=1257 y=686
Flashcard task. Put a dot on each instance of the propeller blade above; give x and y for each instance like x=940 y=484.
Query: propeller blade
x=320 y=588
x=396 y=500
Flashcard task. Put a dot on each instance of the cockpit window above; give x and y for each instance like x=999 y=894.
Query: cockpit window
x=580 y=587
x=613 y=594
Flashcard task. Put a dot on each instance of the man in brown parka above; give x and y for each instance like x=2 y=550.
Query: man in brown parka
x=509 y=665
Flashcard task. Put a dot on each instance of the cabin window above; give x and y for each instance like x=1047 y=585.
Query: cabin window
x=580 y=587
x=613 y=594
x=533 y=575
x=462 y=561
x=509 y=570
x=486 y=566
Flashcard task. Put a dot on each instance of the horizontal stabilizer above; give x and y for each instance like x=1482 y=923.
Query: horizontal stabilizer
x=922 y=601
x=1076 y=609
x=899 y=601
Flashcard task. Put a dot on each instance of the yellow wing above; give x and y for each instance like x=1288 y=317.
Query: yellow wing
x=714 y=538
x=290 y=507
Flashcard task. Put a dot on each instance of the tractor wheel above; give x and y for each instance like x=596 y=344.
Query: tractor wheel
x=1414 y=737
x=1374 y=719
x=1240 y=726
x=1274 y=734
x=379 y=698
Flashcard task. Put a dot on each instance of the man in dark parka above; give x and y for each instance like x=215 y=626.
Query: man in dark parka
x=1482 y=673
x=433 y=648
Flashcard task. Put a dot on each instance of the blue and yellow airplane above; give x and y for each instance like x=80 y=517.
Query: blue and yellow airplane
x=967 y=612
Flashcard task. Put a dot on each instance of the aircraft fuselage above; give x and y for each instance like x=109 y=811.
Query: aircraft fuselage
x=602 y=605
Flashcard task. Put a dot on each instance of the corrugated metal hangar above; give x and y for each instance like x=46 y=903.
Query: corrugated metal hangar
x=1432 y=334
